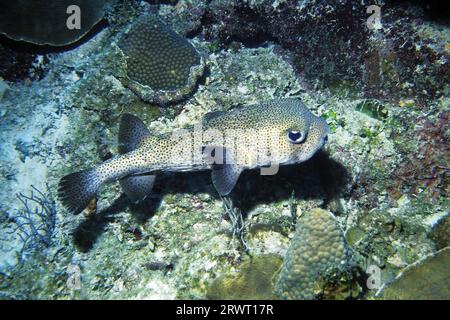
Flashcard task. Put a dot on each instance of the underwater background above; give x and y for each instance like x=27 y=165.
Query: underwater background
x=365 y=218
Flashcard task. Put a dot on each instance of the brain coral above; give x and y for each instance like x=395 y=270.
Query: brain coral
x=318 y=248
x=161 y=65
x=44 y=22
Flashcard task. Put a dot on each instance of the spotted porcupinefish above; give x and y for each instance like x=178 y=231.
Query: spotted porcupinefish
x=265 y=135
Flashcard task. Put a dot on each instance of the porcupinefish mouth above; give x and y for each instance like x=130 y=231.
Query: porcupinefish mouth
x=319 y=145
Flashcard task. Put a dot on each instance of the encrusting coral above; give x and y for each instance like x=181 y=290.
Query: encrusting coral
x=45 y=22
x=161 y=65
x=423 y=280
x=252 y=281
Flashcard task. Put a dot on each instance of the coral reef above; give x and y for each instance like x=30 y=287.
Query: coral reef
x=441 y=232
x=45 y=22
x=318 y=249
x=161 y=65
x=426 y=279
x=185 y=16
x=383 y=173
x=380 y=62
x=425 y=170
x=252 y=280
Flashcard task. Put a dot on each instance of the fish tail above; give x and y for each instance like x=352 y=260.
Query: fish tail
x=76 y=189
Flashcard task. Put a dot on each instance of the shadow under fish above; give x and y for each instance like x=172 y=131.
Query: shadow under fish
x=321 y=177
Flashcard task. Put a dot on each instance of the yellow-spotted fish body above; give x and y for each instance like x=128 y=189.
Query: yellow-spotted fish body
x=280 y=131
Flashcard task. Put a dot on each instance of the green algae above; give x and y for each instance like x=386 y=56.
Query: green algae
x=353 y=235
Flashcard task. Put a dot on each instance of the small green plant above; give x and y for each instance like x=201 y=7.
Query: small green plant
x=332 y=119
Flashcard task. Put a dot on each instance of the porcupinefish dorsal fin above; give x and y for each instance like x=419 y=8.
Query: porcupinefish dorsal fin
x=212 y=115
x=225 y=171
x=131 y=131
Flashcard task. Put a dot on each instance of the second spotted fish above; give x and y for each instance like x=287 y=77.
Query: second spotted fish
x=265 y=135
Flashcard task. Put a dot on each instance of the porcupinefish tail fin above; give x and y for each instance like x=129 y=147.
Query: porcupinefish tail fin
x=131 y=132
x=77 y=189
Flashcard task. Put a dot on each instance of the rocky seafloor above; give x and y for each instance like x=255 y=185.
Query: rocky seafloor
x=382 y=176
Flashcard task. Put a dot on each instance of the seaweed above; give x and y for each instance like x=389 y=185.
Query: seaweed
x=426 y=167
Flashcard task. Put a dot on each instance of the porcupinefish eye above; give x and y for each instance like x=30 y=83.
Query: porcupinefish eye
x=296 y=136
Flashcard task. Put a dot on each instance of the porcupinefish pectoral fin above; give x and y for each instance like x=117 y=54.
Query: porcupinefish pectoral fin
x=225 y=173
x=224 y=177
x=131 y=131
x=137 y=187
